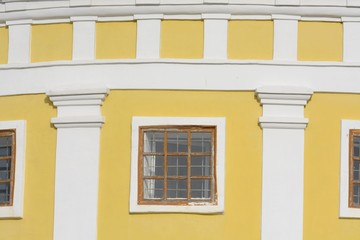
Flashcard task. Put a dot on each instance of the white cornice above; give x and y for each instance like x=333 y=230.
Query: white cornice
x=209 y=75
x=55 y=11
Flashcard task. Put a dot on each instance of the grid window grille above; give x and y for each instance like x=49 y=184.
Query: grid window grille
x=177 y=165
x=7 y=166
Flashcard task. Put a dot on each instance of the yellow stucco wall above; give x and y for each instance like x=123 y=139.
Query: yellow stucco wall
x=247 y=39
x=37 y=223
x=322 y=167
x=250 y=40
x=320 y=41
x=182 y=39
x=4 y=44
x=115 y=40
x=241 y=219
x=51 y=42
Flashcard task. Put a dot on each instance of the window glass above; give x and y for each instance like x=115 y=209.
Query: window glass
x=177 y=165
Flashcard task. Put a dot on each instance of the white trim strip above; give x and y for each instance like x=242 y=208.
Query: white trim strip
x=183 y=17
x=51 y=21
x=176 y=75
x=115 y=19
x=148 y=38
x=19 y=43
x=285 y=39
x=84 y=39
x=251 y=17
x=321 y=19
x=215 y=38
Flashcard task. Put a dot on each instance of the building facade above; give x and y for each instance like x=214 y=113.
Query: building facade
x=198 y=119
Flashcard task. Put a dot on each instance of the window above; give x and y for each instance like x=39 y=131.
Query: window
x=12 y=163
x=350 y=169
x=177 y=165
x=7 y=164
x=354 y=168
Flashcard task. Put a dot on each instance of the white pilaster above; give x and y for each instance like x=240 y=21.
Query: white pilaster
x=215 y=35
x=285 y=37
x=84 y=30
x=148 y=35
x=283 y=125
x=351 y=39
x=19 y=41
x=77 y=162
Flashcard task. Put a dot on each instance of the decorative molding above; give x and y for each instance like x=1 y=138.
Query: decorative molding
x=148 y=38
x=51 y=21
x=188 y=74
x=19 y=41
x=283 y=125
x=77 y=161
x=285 y=37
x=251 y=17
x=283 y=106
x=321 y=19
x=79 y=108
x=183 y=17
x=220 y=124
x=215 y=16
x=84 y=37
x=115 y=19
x=351 y=38
x=215 y=38
x=44 y=10
x=148 y=16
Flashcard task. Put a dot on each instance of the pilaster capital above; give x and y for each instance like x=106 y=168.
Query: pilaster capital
x=283 y=106
x=78 y=107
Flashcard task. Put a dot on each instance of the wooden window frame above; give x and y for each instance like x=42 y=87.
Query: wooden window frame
x=180 y=128
x=12 y=158
x=352 y=133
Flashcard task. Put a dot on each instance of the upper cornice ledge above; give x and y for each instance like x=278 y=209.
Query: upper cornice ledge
x=54 y=9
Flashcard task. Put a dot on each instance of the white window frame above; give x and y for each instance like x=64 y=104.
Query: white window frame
x=16 y=210
x=345 y=210
x=219 y=122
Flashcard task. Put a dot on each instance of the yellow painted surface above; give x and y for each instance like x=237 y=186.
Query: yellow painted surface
x=182 y=39
x=241 y=219
x=320 y=41
x=322 y=167
x=4 y=45
x=51 y=42
x=115 y=40
x=37 y=223
x=250 y=40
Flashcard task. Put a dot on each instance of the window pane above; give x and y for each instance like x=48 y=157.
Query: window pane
x=201 y=142
x=356 y=170
x=356 y=146
x=200 y=166
x=177 y=142
x=177 y=166
x=153 y=189
x=153 y=166
x=176 y=189
x=153 y=142
x=5 y=169
x=5 y=146
x=4 y=193
x=200 y=188
x=356 y=194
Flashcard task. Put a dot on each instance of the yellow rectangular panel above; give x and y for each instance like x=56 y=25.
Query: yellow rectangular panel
x=51 y=42
x=250 y=39
x=320 y=41
x=115 y=40
x=4 y=45
x=182 y=39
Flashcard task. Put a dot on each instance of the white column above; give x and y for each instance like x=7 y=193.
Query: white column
x=351 y=39
x=148 y=35
x=84 y=36
x=285 y=37
x=283 y=125
x=19 y=41
x=77 y=162
x=215 y=35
